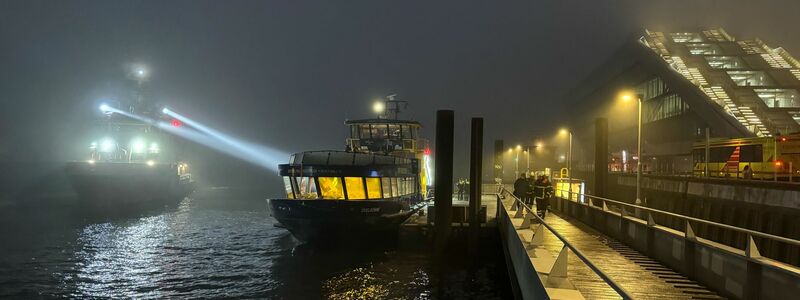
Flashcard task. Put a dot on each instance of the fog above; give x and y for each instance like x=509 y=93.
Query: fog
x=286 y=74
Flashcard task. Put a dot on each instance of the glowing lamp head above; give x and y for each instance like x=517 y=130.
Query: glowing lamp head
x=104 y=108
x=108 y=145
x=778 y=163
x=539 y=145
x=165 y=111
x=627 y=97
x=563 y=131
x=137 y=146
x=378 y=107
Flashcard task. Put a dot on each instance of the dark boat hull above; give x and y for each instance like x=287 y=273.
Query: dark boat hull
x=331 y=220
x=123 y=184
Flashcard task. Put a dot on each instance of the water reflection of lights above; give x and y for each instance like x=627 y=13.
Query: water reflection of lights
x=119 y=261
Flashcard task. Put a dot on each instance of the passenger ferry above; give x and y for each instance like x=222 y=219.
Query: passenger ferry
x=371 y=187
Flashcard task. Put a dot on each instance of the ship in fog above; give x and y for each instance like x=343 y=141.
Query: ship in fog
x=371 y=187
x=129 y=161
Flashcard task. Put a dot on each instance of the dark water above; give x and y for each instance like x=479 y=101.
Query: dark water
x=216 y=245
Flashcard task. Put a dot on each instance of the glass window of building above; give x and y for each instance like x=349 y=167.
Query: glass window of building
x=306 y=188
x=331 y=188
x=704 y=49
x=664 y=107
x=686 y=37
x=750 y=78
x=355 y=188
x=725 y=62
x=287 y=184
x=386 y=183
x=373 y=187
x=652 y=88
x=779 y=98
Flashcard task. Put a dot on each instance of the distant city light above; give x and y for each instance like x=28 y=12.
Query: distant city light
x=151 y=163
x=91 y=161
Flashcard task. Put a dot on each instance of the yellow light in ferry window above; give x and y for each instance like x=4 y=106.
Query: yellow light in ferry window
x=373 y=187
x=355 y=188
x=386 y=182
x=331 y=187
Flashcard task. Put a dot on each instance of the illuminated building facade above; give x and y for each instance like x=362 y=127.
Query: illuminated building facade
x=688 y=81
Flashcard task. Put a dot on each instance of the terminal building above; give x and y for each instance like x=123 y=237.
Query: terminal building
x=688 y=82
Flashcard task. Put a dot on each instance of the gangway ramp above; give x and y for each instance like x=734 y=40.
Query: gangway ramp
x=597 y=267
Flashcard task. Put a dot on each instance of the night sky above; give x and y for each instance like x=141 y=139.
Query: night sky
x=287 y=73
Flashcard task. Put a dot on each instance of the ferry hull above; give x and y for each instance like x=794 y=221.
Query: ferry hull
x=329 y=220
x=121 y=184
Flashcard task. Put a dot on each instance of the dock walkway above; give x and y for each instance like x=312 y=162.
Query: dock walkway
x=641 y=276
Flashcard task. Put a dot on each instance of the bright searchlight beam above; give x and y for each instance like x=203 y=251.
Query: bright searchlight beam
x=264 y=155
x=256 y=154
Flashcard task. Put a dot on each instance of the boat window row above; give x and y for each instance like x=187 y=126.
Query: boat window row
x=348 y=188
x=383 y=131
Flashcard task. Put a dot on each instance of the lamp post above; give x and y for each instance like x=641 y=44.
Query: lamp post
x=528 y=160
x=569 y=161
x=638 y=146
x=516 y=160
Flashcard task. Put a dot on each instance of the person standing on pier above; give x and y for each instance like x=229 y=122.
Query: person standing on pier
x=543 y=190
x=529 y=194
x=521 y=186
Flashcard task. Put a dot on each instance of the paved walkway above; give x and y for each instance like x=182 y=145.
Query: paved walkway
x=642 y=277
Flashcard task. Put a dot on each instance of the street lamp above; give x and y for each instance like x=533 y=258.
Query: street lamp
x=569 y=161
x=628 y=97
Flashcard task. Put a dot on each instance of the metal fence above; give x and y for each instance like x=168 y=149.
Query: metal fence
x=531 y=215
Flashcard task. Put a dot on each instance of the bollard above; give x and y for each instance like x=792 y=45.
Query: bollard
x=476 y=162
x=443 y=193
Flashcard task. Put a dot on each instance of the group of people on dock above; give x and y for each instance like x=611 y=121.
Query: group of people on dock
x=539 y=191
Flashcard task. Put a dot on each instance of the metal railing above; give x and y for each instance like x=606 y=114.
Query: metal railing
x=532 y=212
x=750 y=249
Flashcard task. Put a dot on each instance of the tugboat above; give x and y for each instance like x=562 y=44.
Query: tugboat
x=130 y=162
x=371 y=187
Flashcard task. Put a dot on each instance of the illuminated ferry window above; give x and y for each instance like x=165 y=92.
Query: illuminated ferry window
x=406 y=131
x=355 y=188
x=725 y=62
x=686 y=37
x=779 y=98
x=379 y=131
x=796 y=116
x=386 y=183
x=395 y=132
x=364 y=132
x=395 y=189
x=331 y=187
x=287 y=184
x=306 y=189
x=750 y=78
x=704 y=49
x=373 y=188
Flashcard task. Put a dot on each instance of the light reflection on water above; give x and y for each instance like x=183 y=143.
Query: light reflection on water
x=203 y=248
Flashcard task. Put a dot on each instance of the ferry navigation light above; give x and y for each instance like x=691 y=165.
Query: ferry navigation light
x=107 y=145
x=137 y=146
x=378 y=107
